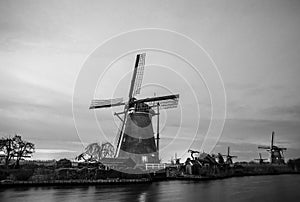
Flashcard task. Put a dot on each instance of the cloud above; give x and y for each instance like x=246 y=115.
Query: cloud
x=53 y=151
x=284 y=112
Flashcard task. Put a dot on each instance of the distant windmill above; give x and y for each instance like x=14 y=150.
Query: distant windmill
x=229 y=157
x=175 y=160
x=136 y=137
x=260 y=160
x=276 y=153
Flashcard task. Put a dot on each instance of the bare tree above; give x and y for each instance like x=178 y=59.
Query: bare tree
x=7 y=146
x=23 y=149
x=107 y=150
x=94 y=152
x=16 y=148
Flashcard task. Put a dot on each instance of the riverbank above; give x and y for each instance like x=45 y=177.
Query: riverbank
x=47 y=176
x=117 y=181
x=206 y=178
x=74 y=182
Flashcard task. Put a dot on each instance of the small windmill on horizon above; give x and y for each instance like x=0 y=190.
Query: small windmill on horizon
x=260 y=159
x=276 y=152
x=136 y=138
x=229 y=157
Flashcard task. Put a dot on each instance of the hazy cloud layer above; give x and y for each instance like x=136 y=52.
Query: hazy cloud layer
x=255 y=45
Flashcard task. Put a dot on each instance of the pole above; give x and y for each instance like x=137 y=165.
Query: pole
x=272 y=140
x=271 y=148
x=157 y=133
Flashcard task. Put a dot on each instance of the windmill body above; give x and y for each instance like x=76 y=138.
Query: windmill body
x=136 y=138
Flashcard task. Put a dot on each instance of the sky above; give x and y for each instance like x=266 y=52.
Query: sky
x=44 y=45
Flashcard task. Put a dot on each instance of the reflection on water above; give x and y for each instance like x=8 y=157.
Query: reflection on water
x=259 y=188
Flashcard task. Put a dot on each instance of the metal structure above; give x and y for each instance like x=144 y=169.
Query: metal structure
x=276 y=153
x=260 y=159
x=136 y=137
x=229 y=157
x=193 y=152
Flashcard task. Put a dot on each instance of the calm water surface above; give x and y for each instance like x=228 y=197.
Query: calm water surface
x=257 y=188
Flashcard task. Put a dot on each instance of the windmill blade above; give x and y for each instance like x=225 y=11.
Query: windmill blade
x=97 y=103
x=135 y=86
x=167 y=104
x=263 y=147
x=272 y=139
x=164 y=104
x=139 y=74
x=168 y=101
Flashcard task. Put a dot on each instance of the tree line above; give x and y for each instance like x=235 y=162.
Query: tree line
x=15 y=148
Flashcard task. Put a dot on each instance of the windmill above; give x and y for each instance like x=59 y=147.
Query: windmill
x=260 y=160
x=176 y=160
x=229 y=157
x=136 y=138
x=276 y=153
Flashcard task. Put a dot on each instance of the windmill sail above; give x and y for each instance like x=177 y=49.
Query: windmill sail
x=96 y=103
x=263 y=147
x=165 y=102
x=139 y=74
x=159 y=98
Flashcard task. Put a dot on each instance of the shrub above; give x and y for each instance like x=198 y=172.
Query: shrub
x=64 y=163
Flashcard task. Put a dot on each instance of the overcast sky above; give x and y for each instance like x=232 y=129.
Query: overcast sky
x=255 y=45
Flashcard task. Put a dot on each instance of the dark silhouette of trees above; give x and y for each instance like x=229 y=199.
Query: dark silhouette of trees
x=64 y=163
x=22 y=150
x=7 y=146
x=15 y=148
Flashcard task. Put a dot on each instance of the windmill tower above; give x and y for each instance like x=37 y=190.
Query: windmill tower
x=276 y=153
x=136 y=139
x=229 y=157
